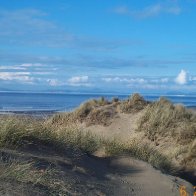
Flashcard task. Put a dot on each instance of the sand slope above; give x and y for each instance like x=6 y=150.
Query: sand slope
x=123 y=127
x=139 y=178
x=90 y=175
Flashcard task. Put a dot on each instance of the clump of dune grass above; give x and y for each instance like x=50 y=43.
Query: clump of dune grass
x=141 y=151
x=93 y=112
x=78 y=139
x=172 y=125
x=24 y=172
x=80 y=114
x=190 y=159
x=85 y=108
x=134 y=104
x=163 y=119
x=101 y=116
x=16 y=132
x=64 y=119
x=47 y=181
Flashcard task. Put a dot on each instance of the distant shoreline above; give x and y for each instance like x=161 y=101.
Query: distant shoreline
x=43 y=104
x=41 y=113
x=30 y=113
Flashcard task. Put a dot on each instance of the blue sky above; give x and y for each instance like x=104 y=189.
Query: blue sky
x=98 y=45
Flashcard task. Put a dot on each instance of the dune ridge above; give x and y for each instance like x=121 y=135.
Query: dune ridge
x=101 y=148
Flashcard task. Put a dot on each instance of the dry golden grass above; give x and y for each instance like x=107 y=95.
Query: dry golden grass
x=134 y=104
x=29 y=179
x=92 y=112
x=141 y=151
x=84 y=109
x=101 y=116
x=163 y=119
x=174 y=125
x=16 y=132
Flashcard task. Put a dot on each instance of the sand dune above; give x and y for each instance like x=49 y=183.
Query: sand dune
x=139 y=178
x=55 y=158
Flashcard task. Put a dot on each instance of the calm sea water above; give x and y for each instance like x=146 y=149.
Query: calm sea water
x=50 y=102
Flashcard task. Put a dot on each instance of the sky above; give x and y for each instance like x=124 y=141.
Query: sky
x=98 y=46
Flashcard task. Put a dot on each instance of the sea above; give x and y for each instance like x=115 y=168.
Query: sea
x=49 y=103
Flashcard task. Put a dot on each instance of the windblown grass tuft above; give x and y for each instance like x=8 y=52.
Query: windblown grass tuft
x=84 y=110
x=141 y=151
x=163 y=119
x=18 y=132
x=134 y=104
x=25 y=175
x=92 y=112
x=174 y=126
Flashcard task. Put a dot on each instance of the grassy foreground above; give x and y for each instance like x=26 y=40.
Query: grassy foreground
x=59 y=136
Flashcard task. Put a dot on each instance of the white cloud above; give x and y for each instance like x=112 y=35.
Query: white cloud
x=182 y=77
x=23 y=66
x=107 y=79
x=31 y=65
x=54 y=82
x=148 y=86
x=42 y=73
x=22 y=72
x=164 y=80
x=137 y=80
x=80 y=84
x=124 y=80
x=79 y=81
x=19 y=76
x=12 y=68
